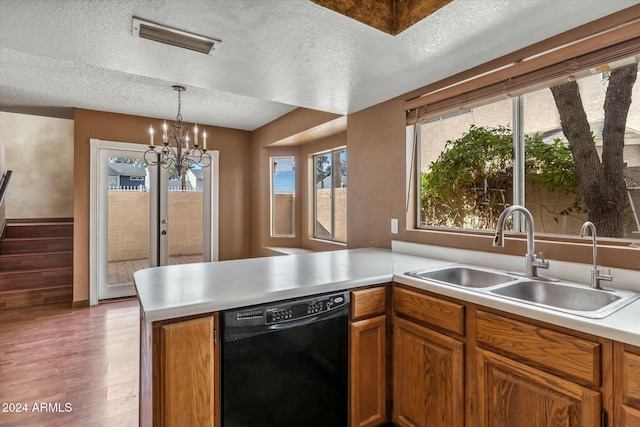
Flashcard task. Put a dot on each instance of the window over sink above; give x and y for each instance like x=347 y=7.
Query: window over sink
x=520 y=148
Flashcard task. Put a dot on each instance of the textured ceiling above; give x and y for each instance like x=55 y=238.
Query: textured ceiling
x=275 y=55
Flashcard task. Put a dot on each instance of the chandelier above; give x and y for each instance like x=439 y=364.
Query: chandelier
x=176 y=149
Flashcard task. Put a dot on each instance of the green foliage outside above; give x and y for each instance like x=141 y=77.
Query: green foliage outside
x=471 y=182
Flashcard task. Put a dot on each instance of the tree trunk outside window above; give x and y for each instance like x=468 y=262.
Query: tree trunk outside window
x=602 y=181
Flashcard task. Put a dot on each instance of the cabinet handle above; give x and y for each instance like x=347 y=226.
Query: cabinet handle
x=604 y=418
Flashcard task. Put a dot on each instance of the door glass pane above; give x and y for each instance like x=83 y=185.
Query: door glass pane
x=128 y=219
x=185 y=226
x=283 y=185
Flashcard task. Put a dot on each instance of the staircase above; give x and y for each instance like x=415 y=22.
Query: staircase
x=36 y=264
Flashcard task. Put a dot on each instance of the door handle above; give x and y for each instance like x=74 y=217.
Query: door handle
x=164 y=221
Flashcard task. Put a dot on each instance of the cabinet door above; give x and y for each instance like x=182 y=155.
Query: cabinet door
x=368 y=372
x=428 y=377
x=627 y=385
x=188 y=373
x=513 y=394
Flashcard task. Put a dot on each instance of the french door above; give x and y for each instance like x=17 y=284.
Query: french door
x=141 y=217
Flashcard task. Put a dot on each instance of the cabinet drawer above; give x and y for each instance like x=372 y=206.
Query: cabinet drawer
x=560 y=353
x=434 y=311
x=368 y=302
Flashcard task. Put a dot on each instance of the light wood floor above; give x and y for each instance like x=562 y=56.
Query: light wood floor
x=85 y=358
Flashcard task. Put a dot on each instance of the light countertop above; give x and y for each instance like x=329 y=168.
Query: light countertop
x=183 y=290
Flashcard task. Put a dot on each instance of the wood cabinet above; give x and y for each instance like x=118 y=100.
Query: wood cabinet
x=514 y=394
x=428 y=377
x=457 y=363
x=368 y=358
x=627 y=385
x=529 y=374
x=183 y=358
x=428 y=364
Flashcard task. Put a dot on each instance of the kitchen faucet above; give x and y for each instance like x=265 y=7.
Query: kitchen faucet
x=596 y=276
x=532 y=262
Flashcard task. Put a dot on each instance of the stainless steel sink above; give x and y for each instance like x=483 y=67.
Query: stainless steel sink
x=568 y=297
x=464 y=276
x=576 y=299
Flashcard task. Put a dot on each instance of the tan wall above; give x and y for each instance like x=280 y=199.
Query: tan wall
x=235 y=185
x=377 y=156
x=129 y=225
x=39 y=151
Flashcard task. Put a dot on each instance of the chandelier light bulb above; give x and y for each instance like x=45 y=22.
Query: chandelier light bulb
x=164 y=132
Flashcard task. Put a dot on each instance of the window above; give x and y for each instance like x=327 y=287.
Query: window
x=503 y=151
x=283 y=201
x=330 y=195
x=466 y=167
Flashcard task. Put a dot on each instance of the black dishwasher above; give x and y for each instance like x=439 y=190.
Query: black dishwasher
x=284 y=364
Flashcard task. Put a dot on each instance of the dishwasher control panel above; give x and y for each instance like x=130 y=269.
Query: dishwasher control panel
x=299 y=309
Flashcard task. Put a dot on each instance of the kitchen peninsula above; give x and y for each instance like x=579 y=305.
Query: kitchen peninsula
x=590 y=358
x=179 y=321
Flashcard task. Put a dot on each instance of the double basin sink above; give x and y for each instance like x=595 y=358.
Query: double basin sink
x=568 y=297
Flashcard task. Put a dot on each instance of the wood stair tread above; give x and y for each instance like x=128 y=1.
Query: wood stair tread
x=30 y=261
x=35 y=245
x=39 y=288
x=34 y=270
x=14 y=239
x=35 y=278
x=9 y=256
x=44 y=223
x=30 y=230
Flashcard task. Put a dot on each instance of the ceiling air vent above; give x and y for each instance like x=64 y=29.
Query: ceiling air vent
x=167 y=35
